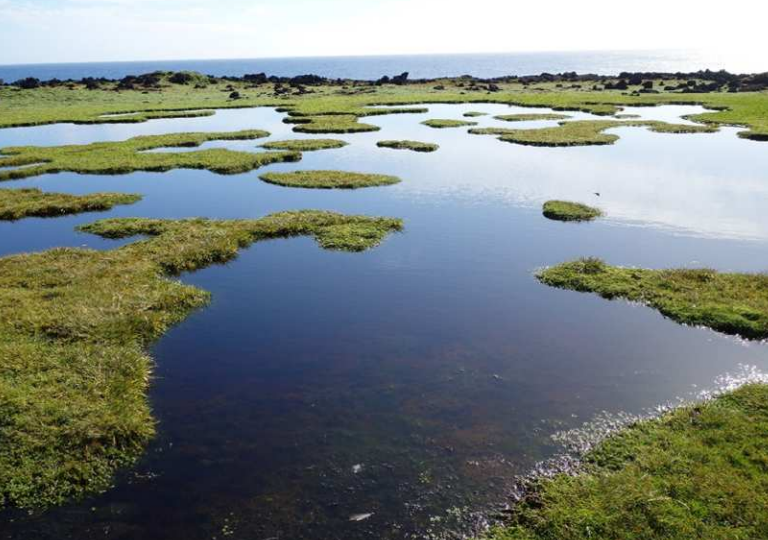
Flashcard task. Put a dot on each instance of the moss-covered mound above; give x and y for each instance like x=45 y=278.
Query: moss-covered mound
x=329 y=179
x=21 y=203
x=728 y=303
x=531 y=117
x=74 y=327
x=570 y=211
x=305 y=145
x=474 y=114
x=443 y=124
x=415 y=146
x=132 y=155
x=698 y=472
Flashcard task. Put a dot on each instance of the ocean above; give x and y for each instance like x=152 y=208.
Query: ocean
x=419 y=66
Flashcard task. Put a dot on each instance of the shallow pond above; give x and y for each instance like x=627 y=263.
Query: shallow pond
x=414 y=381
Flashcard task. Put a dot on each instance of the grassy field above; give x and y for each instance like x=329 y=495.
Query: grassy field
x=729 y=303
x=329 y=179
x=584 y=132
x=132 y=155
x=329 y=109
x=74 y=327
x=570 y=211
x=415 y=146
x=698 y=472
x=304 y=145
x=20 y=203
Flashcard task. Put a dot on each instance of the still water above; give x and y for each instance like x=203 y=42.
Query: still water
x=411 y=382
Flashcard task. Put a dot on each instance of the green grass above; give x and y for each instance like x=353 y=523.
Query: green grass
x=305 y=145
x=570 y=211
x=443 y=124
x=20 y=203
x=531 y=117
x=725 y=302
x=131 y=155
x=331 y=123
x=697 y=472
x=415 y=146
x=584 y=132
x=474 y=114
x=329 y=179
x=49 y=105
x=74 y=328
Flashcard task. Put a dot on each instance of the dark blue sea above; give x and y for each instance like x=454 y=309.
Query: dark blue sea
x=419 y=66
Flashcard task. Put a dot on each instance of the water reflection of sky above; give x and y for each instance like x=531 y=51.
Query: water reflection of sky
x=435 y=361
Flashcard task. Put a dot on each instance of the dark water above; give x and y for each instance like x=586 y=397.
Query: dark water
x=419 y=66
x=413 y=381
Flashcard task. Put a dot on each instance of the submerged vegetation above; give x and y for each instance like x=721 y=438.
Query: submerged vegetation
x=531 y=117
x=415 y=146
x=570 y=211
x=132 y=155
x=31 y=202
x=74 y=327
x=697 y=472
x=728 y=303
x=305 y=145
x=584 y=132
x=442 y=124
x=329 y=179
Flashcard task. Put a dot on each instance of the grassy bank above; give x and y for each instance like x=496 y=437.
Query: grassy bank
x=329 y=179
x=74 y=326
x=415 y=146
x=698 y=472
x=328 y=108
x=133 y=155
x=20 y=203
x=729 y=303
x=570 y=211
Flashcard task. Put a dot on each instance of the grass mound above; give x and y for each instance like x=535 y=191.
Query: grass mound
x=415 y=146
x=131 y=155
x=74 y=327
x=305 y=145
x=331 y=123
x=729 y=303
x=329 y=179
x=474 y=114
x=570 y=211
x=584 y=132
x=21 y=203
x=698 y=472
x=443 y=124
x=531 y=117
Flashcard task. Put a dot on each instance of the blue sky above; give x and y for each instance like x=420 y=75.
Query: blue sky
x=112 y=30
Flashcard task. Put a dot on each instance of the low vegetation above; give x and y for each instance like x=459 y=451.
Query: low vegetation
x=697 y=472
x=570 y=211
x=132 y=155
x=474 y=114
x=20 y=203
x=330 y=123
x=74 y=328
x=415 y=146
x=328 y=179
x=443 y=124
x=531 y=117
x=725 y=302
x=584 y=132
x=305 y=145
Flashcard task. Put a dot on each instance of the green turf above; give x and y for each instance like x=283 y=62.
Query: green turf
x=328 y=179
x=304 y=145
x=20 y=203
x=531 y=117
x=415 y=146
x=443 y=124
x=570 y=211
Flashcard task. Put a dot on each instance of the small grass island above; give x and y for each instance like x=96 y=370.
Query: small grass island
x=329 y=179
x=570 y=211
x=415 y=146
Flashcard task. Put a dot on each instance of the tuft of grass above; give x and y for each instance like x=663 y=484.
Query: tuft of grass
x=32 y=202
x=726 y=302
x=329 y=179
x=305 y=145
x=443 y=124
x=474 y=114
x=415 y=146
x=131 y=155
x=531 y=117
x=331 y=123
x=570 y=211
x=74 y=328
x=584 y=132
x=697 y=472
